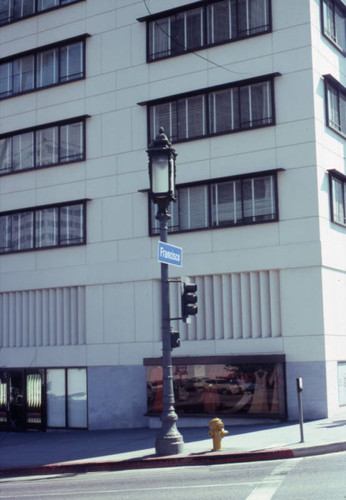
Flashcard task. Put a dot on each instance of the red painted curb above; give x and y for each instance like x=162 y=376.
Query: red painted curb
x=150 y=462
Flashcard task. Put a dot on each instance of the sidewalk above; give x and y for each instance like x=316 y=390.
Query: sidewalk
x=84 y=451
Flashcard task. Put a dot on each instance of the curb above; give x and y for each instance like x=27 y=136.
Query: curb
x=208 y=458
x=149 y=463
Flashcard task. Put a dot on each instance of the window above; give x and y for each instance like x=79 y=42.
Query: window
x=223 y=109
x=229 y=386
x=67 y=397
x=337 y=185
x=15 y=10
x=333 y=22
x=43 y=227
x=335 y=95
x=222 y=203
x=42 y=68
x=185 y=29
x=43 y=147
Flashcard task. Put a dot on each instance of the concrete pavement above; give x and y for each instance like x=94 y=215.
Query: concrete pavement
x=84 y=451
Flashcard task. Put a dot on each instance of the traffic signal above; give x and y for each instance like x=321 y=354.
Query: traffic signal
x=189 y=301
x=175 y=339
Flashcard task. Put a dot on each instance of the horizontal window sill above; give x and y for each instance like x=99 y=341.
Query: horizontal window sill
x=223 y=226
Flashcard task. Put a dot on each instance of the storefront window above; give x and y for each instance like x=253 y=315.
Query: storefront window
x=226 y=389
x=67 y=397
x=77 y=399
x=56 y=398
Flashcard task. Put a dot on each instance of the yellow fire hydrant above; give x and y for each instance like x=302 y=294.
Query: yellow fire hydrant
x=217 y=432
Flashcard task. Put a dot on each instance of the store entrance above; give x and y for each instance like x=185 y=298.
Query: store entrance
x=16 y=401
x=21 y=400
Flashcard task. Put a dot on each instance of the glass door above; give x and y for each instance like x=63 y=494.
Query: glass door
x=22 y=400
x=16 y=400
x=35 y=407
x=3 y=401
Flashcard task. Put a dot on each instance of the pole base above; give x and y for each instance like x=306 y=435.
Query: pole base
x=169 y=445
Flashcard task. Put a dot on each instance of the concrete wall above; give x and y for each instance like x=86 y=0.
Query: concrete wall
x=116 y=397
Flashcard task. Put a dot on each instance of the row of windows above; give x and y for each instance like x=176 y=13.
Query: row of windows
x=15 y=10
x=43 y=147
x=43 y=227
x=42 y=68
x=334 y=22
x=223 y=203
x=219 y=110
x=214 y=204
x=208 y=24
x=212 y=22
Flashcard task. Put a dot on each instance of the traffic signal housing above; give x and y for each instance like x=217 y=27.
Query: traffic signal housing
x=175 y=339
x=189 y=301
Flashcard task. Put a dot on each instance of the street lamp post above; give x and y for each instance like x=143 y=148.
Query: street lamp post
x=162 y=191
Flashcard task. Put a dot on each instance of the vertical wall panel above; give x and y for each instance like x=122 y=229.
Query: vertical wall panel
x=245 y=304
x=275 y=310
x=236 y=307
x=32 y=319
x=5 y=320
x=12 y=320
x=200 y=318
x=52 y=317
x=38 y=314
x=59 y=317
x=26 y=318
x=74 y=316
x=19 y=319
x=81 y=315
x=66 y=313
x=45 y=317
x=209 y=310
x=265 y=303
x=227 y=306
x=256 y=327
x=218 y=307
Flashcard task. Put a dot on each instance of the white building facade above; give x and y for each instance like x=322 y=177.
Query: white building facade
x=252 y=95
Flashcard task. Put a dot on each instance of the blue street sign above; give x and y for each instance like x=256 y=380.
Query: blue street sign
x=169 y=254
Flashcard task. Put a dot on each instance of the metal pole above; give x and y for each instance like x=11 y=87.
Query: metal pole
x=169 y=441
x=300 y=406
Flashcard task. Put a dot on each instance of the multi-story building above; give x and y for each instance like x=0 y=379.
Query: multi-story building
x=252 y=95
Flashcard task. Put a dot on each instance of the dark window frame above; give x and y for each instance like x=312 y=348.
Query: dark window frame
x=37 y=12
x=332 y=39
x=59 y=124
x=40 y=50
x=331 y=82
x=206 y=92
x=203 y=4
x=244 y=221
x=334 y=175
x=36 y=209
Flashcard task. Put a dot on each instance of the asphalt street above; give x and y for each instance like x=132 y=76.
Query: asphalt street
x=317 y=478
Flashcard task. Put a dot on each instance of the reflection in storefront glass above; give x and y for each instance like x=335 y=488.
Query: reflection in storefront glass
x=243 y=389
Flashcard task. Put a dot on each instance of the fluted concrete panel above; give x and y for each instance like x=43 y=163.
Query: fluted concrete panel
x=236 y=306
x=34 y=318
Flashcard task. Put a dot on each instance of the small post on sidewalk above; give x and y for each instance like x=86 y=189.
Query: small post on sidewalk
x=300 y=405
